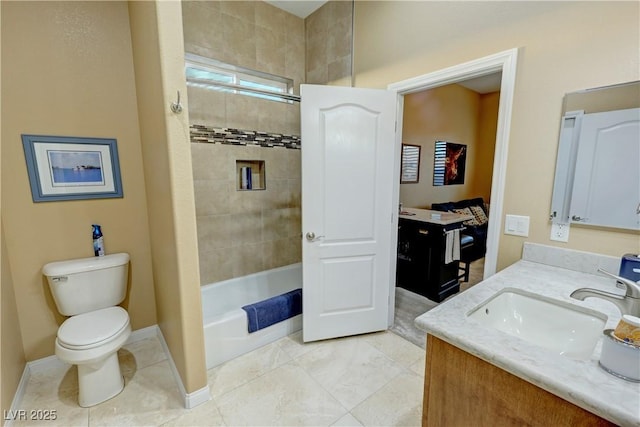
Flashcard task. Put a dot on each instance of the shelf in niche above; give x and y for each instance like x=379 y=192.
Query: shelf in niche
x=254 y=175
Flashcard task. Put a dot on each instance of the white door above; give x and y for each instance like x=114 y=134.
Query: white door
x=606 y=186
x=348 y=144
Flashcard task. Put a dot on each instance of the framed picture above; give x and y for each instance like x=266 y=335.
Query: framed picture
x=72 y=168
x=410 y=168
x=449 y=162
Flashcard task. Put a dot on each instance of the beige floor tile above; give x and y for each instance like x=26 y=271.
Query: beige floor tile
x=150 y=397
x=52 y=392
x=146 y=352
x=398 y=403
x=51 y=413
x=54 y=414
x=295 y=347
x=58 y=383
x=347 y=421
x=245 y=368
x=396 y=348
x=378 y=376
x=350 y=369
x=286 y=396
x=419 y=366
x=206 y=414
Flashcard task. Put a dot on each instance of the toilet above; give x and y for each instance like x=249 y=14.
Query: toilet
x=89 y=291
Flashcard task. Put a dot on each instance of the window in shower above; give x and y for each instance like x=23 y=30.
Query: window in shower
x=216 y=75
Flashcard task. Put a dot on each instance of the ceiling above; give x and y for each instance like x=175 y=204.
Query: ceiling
x=303 y=8
x=483 y=84
x=300 y=8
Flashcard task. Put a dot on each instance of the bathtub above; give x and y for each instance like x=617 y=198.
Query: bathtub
x=226 y=333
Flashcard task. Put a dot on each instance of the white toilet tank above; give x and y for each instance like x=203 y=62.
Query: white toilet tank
x=88 y=284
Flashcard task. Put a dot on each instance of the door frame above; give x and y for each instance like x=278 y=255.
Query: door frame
x=505 y=62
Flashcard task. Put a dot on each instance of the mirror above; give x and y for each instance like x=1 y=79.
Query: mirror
x=597 y=179
x=410 y=172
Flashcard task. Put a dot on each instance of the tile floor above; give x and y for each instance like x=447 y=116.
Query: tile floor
x=367 y=380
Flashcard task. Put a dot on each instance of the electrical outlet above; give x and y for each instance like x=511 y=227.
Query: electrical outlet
x=559 y=232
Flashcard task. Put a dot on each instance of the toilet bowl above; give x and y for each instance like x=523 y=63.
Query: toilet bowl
x=91 y=341
x=88 y=290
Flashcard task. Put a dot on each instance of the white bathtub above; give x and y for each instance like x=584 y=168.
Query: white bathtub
x=226 y=333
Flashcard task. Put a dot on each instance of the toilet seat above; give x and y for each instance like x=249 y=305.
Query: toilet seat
x=93 y=329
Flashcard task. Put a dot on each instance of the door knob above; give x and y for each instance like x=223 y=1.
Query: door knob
x=311 y=236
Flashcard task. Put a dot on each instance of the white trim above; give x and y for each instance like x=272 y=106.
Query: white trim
x=19 y=395
x=190 y=400
x=395 y=196
x=143 y=334
x=198 y=397
x=44 y=364
x=506 y=62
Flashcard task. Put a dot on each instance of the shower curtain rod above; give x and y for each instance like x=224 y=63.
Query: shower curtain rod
x=205 y=82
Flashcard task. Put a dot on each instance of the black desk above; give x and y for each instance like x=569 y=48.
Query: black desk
x=421 y=264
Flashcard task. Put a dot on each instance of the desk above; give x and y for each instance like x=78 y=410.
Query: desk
x=421 y=264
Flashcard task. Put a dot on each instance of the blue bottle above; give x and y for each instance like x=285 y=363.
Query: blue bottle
x=98 y=241
x=630 y=267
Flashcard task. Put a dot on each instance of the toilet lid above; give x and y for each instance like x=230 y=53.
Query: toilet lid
x=91 y=328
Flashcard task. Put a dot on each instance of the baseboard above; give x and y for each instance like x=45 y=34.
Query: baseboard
x=190 y=400
x=18 y=396
x=144 y=333
x=198 y=397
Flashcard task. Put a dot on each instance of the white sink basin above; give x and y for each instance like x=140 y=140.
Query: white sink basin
x=564 y=328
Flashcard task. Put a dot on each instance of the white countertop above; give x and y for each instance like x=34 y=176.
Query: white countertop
x=581 y=382
x=433 y=217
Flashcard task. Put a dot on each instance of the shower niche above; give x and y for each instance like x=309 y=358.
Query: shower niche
x=250 y=175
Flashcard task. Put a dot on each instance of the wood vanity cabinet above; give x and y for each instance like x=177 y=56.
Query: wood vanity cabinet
x=463 y=390
x=420 y=266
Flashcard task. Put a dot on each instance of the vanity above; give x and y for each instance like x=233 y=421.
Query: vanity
x=477 y=374
x=422 y=266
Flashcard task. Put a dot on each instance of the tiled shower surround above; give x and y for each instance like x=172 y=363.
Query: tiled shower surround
x=242 y=232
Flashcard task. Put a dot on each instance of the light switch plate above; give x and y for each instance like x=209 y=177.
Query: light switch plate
x=517 y=225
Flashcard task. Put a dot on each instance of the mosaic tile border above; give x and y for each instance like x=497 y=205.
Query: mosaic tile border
x=219 y=135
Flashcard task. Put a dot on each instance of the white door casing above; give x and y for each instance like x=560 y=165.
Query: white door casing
x=348 y=155
x=506 y=63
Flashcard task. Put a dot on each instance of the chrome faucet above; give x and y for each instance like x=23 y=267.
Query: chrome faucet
x=629 y=303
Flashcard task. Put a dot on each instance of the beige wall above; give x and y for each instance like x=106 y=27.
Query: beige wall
x=250 y=34
x=67 y=70
x=12 y=361
x=449 y=113
x=329 y=32
x=487 y=126
x=158 y=56
x=563 y=47
x=243 y=232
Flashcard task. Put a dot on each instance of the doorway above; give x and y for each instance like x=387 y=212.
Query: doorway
x=504 y=63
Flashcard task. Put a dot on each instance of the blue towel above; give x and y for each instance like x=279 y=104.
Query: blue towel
x=273 y=310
